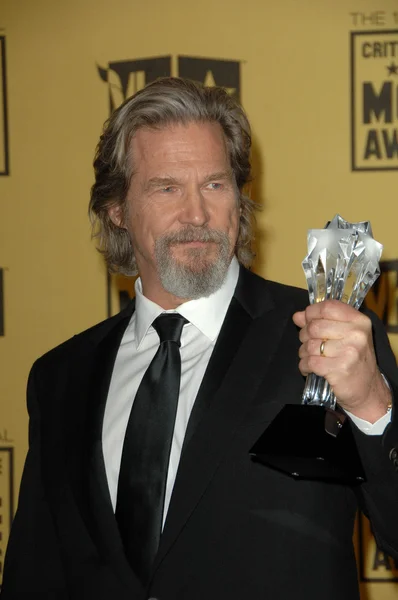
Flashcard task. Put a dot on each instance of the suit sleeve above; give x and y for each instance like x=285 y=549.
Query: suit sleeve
x=378 y=497
x=33 y=567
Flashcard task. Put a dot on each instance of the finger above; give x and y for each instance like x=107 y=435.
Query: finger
x=299 y=318
x=333 y=368
x=319 y=365
x=325 y=329
x=333 y=310
x=314 y=347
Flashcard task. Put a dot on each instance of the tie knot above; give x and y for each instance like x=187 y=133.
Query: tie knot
x=169 y=327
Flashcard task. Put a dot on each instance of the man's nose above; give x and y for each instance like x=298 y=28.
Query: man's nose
x=194 y=210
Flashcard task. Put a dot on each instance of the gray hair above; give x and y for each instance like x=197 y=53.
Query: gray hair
x=167 y=101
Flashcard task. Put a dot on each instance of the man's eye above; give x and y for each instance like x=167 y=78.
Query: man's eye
x=168 y=189
x=215 y=185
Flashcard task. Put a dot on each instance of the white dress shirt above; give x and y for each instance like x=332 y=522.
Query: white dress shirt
x=138 y=347
x=376 y=428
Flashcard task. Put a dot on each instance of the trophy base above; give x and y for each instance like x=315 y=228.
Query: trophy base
x=311 y=442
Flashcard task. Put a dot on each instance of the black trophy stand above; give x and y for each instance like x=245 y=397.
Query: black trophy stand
x=313 y=443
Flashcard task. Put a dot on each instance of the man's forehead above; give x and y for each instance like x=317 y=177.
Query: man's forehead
x=196 y=130
x=197 y=143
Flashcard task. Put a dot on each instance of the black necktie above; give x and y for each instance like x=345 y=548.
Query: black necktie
x=146 y=449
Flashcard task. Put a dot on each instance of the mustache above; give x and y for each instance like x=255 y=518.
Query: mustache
x=195 y=234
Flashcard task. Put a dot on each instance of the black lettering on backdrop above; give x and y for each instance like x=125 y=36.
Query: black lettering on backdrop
x=372 y=145
x=374 y=100
x=126 y=77
x=4 y=437
x=382 y=298
x=373 y=563
x=225 y=73
x=380 y=49
x=377 y=17
x=381 y=143
x=390 y=139
x=377 y=104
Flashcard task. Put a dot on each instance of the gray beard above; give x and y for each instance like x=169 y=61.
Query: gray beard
x=199 y=277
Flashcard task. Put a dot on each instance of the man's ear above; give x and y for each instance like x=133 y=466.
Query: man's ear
x=115 y=215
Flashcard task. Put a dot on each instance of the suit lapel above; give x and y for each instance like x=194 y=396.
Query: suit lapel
x=87 y=471
x=243 y=353
x=98 y=491
x=231 y=335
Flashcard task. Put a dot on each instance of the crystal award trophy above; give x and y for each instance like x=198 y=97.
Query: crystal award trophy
x=314 y=440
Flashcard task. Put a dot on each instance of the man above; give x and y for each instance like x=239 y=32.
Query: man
x=138 y=481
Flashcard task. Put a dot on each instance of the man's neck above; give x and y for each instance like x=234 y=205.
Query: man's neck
x=162 y=298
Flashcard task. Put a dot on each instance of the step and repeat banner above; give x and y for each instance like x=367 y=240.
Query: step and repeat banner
x=319 y=81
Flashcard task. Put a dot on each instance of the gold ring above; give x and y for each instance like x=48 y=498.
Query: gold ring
x=322 y=347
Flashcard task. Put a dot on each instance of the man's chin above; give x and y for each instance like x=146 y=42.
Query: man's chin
x=192 y=277
x=194 y=265
x=194 y=260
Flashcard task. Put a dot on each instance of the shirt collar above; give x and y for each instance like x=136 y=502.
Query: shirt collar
x=206 y=314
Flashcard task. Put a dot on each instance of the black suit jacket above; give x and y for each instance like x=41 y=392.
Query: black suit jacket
x=235 y=529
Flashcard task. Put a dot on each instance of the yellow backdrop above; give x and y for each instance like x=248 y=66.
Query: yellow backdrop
x=319 y=81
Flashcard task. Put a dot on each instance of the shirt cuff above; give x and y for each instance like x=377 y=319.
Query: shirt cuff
x=376 y=428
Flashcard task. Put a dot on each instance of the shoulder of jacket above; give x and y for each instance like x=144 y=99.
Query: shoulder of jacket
x=80 y=341
x=280 y=293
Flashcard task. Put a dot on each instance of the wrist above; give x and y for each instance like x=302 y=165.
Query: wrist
x=377 y=404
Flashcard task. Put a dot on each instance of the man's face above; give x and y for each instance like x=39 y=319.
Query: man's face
x=182 y=209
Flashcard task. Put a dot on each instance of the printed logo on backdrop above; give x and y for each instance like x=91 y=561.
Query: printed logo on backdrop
x=6 y=494
x=374 y=564
x=383 y=297
x=125 y=78
x=374 y=100
x=4 y=148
